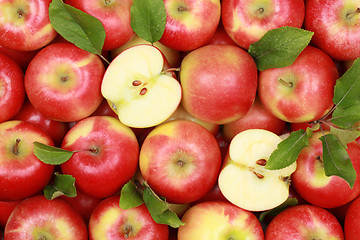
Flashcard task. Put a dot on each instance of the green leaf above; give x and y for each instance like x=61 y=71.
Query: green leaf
x=51 y=155
x=279 y=47
x=344 y=136
x=63 y=185
x=347 y=88
x=160 y=209
x=168 y=217
x=148 y=19
x=275 y=211
x=130 y=197
x=336 y=159
x=288 y=150
x=79 y=28
x=348 y=117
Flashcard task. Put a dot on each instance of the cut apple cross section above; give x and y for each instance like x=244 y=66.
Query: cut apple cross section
x=138 y=89
x=245 y=181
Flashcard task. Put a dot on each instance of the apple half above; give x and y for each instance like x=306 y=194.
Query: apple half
x=245 y=181
x=139 y=89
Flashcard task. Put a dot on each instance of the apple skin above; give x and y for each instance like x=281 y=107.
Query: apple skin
x=219 y=83
x=22 y=58
x=304 y=222
x=171 y=55
x=220 y=36
x=22 y=174
x=258 y=117
x=6 y=208
x=215 y=220
x=12 y=90
x=306 y=93
x=56 y=130
x=352 y=221
x=25 y=25
x=39 y=218
x=180 y=160
x=109 y=158
x=190 y=23
x=73 y=82
x=333 y=32
x=114 y=16
x=245 y=22
x=311 y=183
x=109 y=222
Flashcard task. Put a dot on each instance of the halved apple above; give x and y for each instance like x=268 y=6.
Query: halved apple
x=138 y=89
x=244 y=181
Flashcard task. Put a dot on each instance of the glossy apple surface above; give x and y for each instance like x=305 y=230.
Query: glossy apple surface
x=248 y=20
x=12 y=90
x=256 y=118
x=107 y=155
x=310 y=181
x=336 y=27
x=25 y=24
x=215 y=220
x=301 y=92
x=22 y=174
x=219 y=83
x=190 y=23
x=180 y=160
x=39 y=218
x=110 y=222
x=304 y=222
x=63 y=82
x=114 y=16
x=6 y=208
x=352 y=221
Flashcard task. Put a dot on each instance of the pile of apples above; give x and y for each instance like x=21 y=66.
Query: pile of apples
x=190 y=118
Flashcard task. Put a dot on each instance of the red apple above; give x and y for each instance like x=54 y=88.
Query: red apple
x=336 y=27
x=190 y=23
x=311 y=183
x=55 y=129
x=39 y=218
x=63 y=82
x=180 y=160
x=352 y=221
x=219 y=83
x=247 y=21
x=114 y=16
x=220 y=36
x=25 y=25
x=106 y=157
x=22 y=174
x=214 y=220
x=22 y=58
x=109 y=222
x=12 y=90
x=304 y=222
x=6 y=208
x=257 y=117
x=301 y=92
x=83 y=203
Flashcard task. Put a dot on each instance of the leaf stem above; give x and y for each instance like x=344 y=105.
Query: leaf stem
x=103 y=58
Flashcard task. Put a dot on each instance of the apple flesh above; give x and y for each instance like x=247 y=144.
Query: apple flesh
x=245 y=181
x=304 y=222
x=138 y=89
x=219 y=83
x=180 y=160
x=217 y=220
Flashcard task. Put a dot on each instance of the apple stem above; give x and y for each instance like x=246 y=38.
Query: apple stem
x=16 y=146
x=180 y=163
x=107 y=2
x=182 y=9
x=127 y=232
x=352 y=14
x=64 y=79
x=260 y=10
x=94 y=150
x=20 y=13
x=288 y=84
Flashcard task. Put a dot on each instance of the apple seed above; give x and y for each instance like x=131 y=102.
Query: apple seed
x=261 y=162
x=143 y=91
x=136 y=83
x=260 y=176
